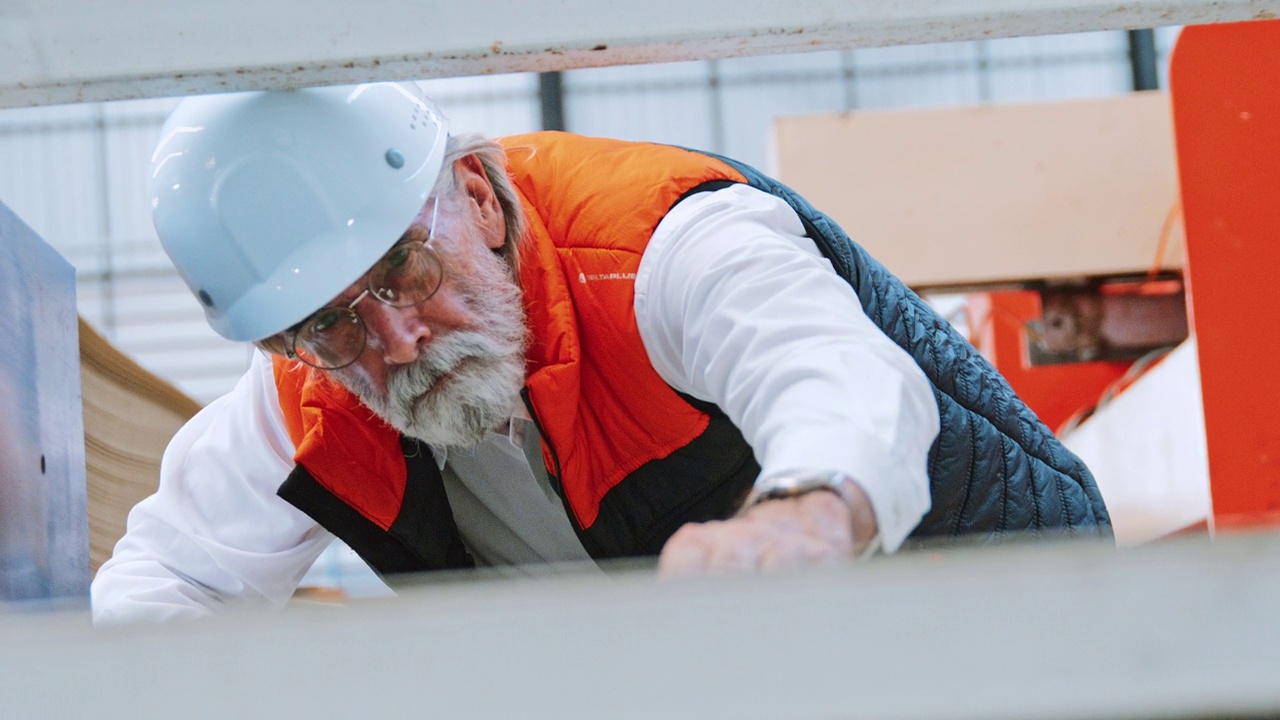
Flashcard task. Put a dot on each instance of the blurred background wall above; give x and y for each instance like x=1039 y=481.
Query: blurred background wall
x=77 y=173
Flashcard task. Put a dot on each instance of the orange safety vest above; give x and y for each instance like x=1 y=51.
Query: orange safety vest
x=632 y=459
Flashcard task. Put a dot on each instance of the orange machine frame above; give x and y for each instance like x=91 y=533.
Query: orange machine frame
x=1055 y=393
x=1225 y=88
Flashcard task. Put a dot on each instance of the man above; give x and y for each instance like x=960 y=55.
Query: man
x=549 y=348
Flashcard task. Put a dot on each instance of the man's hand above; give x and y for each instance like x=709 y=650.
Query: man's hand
x=817 y=526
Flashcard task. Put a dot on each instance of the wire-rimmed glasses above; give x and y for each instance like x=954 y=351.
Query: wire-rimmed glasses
x=407 y=275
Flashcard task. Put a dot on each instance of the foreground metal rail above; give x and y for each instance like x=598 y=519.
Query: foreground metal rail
x=1179 y=629
x=61 y=51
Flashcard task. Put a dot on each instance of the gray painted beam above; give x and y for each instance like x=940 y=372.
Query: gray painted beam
x=60 y=51
x=1184 y=628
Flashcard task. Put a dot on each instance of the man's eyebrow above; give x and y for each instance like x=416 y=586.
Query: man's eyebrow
x=414 y=231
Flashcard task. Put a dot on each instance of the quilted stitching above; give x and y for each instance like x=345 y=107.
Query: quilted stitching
x=993 y=456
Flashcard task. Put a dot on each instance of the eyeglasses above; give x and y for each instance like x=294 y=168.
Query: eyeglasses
x=409 y=274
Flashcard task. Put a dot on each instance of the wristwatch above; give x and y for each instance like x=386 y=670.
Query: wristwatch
x=779 y=487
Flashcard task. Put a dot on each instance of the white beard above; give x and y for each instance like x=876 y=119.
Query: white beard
x=485 y=370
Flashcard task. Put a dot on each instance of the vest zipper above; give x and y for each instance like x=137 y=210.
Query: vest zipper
x=556 y=484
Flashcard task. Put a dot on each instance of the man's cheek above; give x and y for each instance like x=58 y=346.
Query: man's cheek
x=364 y=381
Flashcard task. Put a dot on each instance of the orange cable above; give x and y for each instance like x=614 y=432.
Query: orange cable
x=1174 y=214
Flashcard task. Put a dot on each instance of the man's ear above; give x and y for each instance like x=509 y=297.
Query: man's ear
x=487 y=211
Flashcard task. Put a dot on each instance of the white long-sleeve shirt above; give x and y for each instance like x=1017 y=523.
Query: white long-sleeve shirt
x=735 y=306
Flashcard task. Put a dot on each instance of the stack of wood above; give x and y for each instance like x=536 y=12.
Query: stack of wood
x=129 y=416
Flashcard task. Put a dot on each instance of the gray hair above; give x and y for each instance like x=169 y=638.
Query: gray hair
x=494 y=160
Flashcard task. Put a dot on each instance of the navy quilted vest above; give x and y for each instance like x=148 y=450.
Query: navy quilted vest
x=994 y=468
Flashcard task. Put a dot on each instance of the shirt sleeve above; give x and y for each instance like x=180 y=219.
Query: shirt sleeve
x=737 y=307
x=215 y=533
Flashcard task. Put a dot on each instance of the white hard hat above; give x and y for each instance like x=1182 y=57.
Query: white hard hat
x=271 y=203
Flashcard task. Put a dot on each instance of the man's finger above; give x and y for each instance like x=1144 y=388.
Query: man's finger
x=735 y=547
x=685 y=552
x=795 y=550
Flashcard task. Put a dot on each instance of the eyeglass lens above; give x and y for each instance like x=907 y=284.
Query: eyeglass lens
x=409 y=274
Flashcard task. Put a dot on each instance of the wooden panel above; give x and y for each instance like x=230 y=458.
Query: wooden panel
x=996 y=193
x=129 y=416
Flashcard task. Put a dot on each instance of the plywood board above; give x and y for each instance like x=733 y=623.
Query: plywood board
x=130 y=414
x=972 y=196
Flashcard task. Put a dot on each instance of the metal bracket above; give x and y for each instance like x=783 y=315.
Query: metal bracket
x=1106 y=319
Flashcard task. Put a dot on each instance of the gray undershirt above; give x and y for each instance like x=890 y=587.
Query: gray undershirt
x=504 y=505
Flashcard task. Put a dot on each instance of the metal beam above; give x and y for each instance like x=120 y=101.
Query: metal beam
x=60 y=51
x=1183 y=628
x=44 y=532
x=1142 y=60
x=551 y=99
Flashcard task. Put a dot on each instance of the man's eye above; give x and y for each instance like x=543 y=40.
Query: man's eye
x=326 y=322
x=396 y=258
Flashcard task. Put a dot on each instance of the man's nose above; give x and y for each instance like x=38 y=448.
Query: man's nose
x=400 y=334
